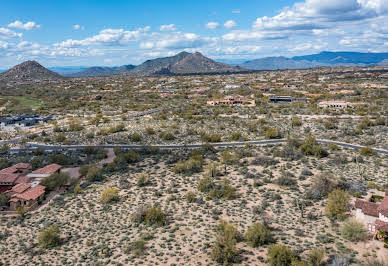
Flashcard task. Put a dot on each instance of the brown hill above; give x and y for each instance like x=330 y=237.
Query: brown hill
x=29 y=70
x=183 y=63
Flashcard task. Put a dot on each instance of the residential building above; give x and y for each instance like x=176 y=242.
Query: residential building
x=374 y=215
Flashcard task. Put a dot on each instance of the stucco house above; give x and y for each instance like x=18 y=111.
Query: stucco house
x=25 y=195
x=374 y=215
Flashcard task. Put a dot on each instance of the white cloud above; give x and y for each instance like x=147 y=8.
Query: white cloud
x=237 y=11
x=230 y=24
x=175 y=41
x=212 y=25
x=169 y=27
x=26 y=26
x=109 y=37
x=7 y=34
x=243 y=35
x=78 y=27
x=318 y=14
x=4 y=45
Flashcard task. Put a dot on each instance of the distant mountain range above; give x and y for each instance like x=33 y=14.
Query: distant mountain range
x=316 y=60
x=196 y=63
x=102 y=71
x=182 y=63
x=29 y=70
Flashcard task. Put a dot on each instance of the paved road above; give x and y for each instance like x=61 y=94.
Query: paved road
x=188 y=146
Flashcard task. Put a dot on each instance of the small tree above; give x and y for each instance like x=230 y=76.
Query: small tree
x=21 y=211
x=258 y=235
x=353 y=230
x=49 y=237
x=224 y=249
x=55 y=181
x=280 y=255
x=94 y=174
x=3 y=200
x=110 y=194
x=337 y=204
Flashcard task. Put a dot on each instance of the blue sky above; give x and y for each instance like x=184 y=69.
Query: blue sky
x=117 y=32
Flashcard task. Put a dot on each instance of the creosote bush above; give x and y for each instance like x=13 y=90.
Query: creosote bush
x=150 y=215
x=337 y=204
x=258 y=235
x=280 y=255
x=353 y=230
x=49 y=237
x=55 y=181
x=143 y=179
x=110 y=194
x=311 y=147
x=190 y=166
x=224 y=249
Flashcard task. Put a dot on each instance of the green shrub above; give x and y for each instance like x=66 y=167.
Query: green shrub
x=311 y=147
x=316 y=257
x=224 y=249
x=49 y=237
x=258 y=235
x=94 y=174
x=55 y=181
x=337 y=204
x=155 y=215
x=110 y=194
x=166 y=136
x=280 y=255
x=3 y=200
x=223 y=190
x=136 y=137
x=236 y=136
x=190 y=197
x=190 y=166
x=205 y=184
x=296 y=121
x=353 y=230
x=367 y=151
x=142 y=179
x=271 y=133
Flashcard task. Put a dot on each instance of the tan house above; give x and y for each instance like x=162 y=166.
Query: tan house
x=232 y=101
x=26 y=196
x=374 y=215
x=338 y=104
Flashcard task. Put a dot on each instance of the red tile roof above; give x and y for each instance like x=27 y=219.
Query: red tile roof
x=8 y=177
x=383 y=208
x=368 y=208
x=20 y=188
x=30 y=194
x=380 y=225
x=14 y=168
x=49 y=169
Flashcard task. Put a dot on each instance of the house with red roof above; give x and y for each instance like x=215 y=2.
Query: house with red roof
x=45 y=171
x=26 y=196
x=14 y=175
x=374 y=215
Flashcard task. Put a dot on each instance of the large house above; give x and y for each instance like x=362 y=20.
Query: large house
x=374 y=215
x=285 y=99
x=231 y=101
x=25 y=195
x=13 y=175
x=22 y=185
x=338 y=104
